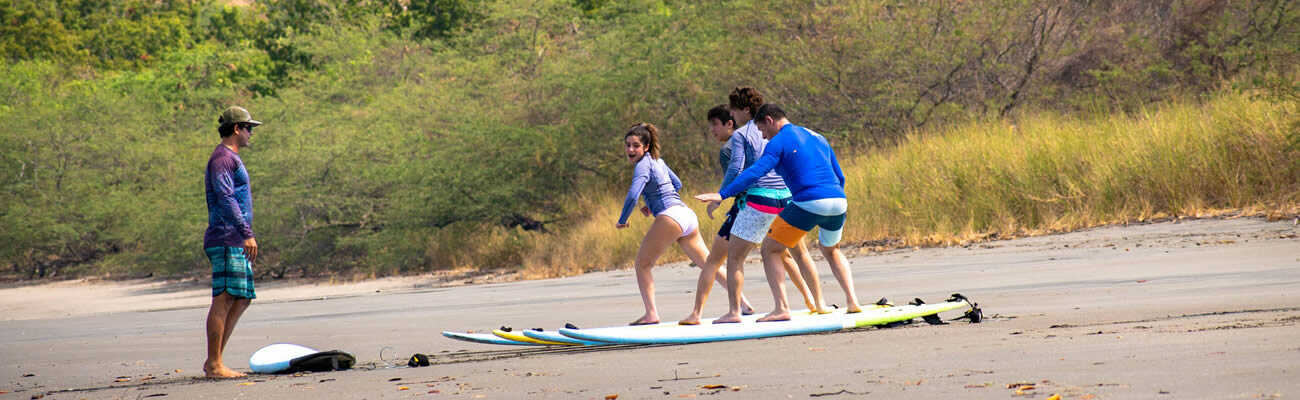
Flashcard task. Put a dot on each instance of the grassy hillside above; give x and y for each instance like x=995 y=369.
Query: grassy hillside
x=406 y=136
x=1044 y=173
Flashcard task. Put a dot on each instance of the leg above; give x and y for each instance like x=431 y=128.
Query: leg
x=810 y=276
x=796 y=277
x=662 y=233
x=736 y=253
x=236 y=310
x=216 y=328
x=840 y=266
x=693 y=246
x=772 y=265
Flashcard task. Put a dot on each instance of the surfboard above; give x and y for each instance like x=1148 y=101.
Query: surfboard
x=520 y=337
x=799 y=323
x=484 y=338
x=557 y=337
x=275 y=358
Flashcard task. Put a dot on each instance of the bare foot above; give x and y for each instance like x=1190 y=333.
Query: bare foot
x=776 y=316
x=854 y=308
x=219 y=371
x=646 y=320
x=728 y=318
x=746 y=309
x=693 y=319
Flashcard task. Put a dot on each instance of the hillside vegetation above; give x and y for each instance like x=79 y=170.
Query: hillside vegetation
x=411 y=135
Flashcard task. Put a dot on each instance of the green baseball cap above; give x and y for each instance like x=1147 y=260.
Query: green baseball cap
x=236 y=114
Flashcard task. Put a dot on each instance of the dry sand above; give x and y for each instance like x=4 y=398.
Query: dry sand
x=1192 y=309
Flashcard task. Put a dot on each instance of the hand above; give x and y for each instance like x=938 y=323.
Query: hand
x=250 y=248
x=711 y=207
x=709 y=198
x=645 y=210
x=621 y=226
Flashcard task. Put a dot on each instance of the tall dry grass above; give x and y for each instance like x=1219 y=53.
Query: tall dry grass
x=1043 y=173
x=1051 y=173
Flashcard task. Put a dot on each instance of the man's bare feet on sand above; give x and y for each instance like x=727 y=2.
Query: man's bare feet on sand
x=776 y=316
x=728 y=318
x=221 y=372
x=693 y=319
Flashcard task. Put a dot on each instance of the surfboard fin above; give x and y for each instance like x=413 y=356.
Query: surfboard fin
x=506 y=328
x=932 y=319
x=570 y=325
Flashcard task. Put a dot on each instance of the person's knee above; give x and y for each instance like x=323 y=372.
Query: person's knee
x=774 y=247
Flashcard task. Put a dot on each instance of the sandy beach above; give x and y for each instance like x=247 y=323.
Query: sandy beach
x=1184 y=309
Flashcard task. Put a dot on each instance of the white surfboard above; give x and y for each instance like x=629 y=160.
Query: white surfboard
x=799 y=323
x=276 y=357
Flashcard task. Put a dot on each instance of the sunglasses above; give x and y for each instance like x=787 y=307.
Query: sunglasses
x=248 y=127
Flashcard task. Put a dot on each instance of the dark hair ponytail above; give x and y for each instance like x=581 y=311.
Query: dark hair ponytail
x=745 y=98
x=649 y=136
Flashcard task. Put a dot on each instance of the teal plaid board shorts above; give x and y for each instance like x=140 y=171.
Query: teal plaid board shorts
x=231 y=272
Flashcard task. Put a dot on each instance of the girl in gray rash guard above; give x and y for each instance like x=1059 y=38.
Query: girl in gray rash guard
x=673 y=221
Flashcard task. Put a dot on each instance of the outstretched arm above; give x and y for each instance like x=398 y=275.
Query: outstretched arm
x=737 y=163
x=639 y=179
x=771 y=157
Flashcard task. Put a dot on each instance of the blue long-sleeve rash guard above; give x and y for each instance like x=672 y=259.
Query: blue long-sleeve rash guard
x=747 y=144
x=803 y=158
x=652 y=177
x=229 y=198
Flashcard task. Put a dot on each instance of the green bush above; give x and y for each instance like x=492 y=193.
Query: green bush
x=407 y=136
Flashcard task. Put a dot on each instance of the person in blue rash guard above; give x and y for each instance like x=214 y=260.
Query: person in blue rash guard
x=229 y=242
x=673 y=221
x=810 y=169
x=759 y=205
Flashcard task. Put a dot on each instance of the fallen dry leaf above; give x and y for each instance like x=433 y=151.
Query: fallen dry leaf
x=735 y=388
x=1087 y=396
x=686 y=396
x=611 y=397
x=246 y=384
x=1054 y=397
x=1018 y=385
x=713 y=387
x=403 y=388
x=122 y=379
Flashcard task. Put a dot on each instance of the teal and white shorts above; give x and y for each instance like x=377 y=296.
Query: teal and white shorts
x=231 y=272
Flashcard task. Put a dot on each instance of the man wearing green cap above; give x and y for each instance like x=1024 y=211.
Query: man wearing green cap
x=229 y=241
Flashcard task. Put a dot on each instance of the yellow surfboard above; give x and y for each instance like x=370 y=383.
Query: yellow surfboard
x=519 y=337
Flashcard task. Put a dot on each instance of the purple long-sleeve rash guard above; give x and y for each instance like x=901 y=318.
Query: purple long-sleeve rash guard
x=230 y=200
x=652 y=177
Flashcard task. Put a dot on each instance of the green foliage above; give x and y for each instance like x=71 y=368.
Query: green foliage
x=30 y=31
x=414 y=135
x=437 y=19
